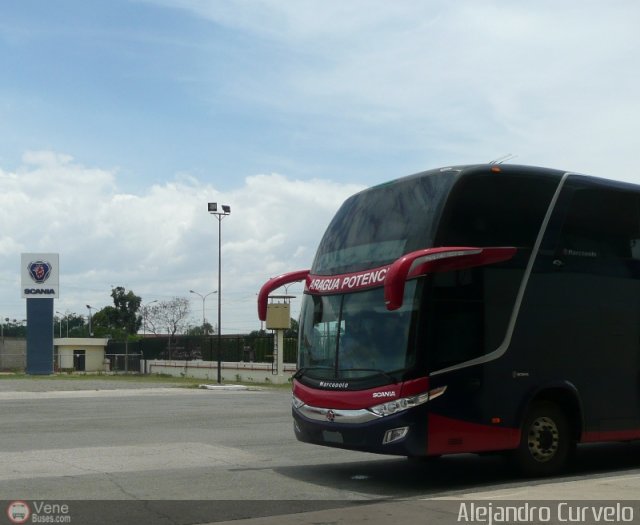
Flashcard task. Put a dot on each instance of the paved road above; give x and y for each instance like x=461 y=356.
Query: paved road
x=236 y=449
x=61 y=384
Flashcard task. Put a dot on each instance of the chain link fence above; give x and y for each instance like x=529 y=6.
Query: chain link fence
x=233 y=348
x=125 y=357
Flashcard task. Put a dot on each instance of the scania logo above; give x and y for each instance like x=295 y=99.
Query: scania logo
x=39 y=291
x=388 y=393
x=39 y=271
x=331 y=415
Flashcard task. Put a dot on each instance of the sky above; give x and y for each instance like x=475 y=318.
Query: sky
x=120 y=120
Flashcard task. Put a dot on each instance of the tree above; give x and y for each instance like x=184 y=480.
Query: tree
x=204 y=329
x=127 y=305
x=105 y=323
x=77 y=325
x=168 y=317
x=13 y=328
x=121 y=319
x=293 y=331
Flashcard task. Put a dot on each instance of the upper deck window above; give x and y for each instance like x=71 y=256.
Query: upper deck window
x=601 y=223
x=496 y=210
x=376 y=226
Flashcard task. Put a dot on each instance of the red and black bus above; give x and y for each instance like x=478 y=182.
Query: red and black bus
x=473 y=309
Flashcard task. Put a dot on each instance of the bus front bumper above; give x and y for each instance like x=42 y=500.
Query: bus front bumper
x=403 y=434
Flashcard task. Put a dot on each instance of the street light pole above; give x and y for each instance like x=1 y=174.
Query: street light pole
x=90 y=331
x=66 y=317
x=59 y=325
x=203 y=297
x=213 y=210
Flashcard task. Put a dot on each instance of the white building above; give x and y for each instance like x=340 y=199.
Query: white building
x=80 y=354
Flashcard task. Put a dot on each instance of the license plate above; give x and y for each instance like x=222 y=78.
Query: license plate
x=332 y=437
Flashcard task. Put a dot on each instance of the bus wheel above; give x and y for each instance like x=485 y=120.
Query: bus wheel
x=546 y=443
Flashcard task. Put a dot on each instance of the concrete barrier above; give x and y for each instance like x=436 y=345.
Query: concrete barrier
x=230 y=371
x=13 y=353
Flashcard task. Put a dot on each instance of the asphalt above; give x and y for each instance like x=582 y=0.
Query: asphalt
x=60 y=384
x=602 y=489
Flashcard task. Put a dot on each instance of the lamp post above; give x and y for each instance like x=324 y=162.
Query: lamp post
x=66 y=319
x=59 y=325
x=204 y=297
x=90 y=308
x=145 y=308
x=213 y=210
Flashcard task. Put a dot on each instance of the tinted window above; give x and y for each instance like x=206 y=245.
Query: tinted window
x=468 y=311
x=377 y=226
x=600 y=224
x=496 y=210
x=455 y=318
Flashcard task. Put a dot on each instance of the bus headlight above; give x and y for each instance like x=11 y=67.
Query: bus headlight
x=297 y=403
x=405 y=403
x=399 y=405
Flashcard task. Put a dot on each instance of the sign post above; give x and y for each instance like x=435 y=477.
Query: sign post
x=40 y=286
x=279 y=320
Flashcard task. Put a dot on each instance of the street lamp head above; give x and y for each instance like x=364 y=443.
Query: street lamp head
x=89 y=307
x=212 y=207
x=202 y=296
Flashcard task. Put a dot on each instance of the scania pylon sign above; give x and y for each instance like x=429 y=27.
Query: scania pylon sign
x=40 y=275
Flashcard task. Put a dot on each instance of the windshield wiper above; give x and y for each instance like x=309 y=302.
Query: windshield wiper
x=302 y=371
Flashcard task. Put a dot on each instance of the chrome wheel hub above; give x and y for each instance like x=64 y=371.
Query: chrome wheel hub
x=543 y=439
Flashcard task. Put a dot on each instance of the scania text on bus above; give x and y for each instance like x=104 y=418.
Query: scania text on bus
x=473 y=309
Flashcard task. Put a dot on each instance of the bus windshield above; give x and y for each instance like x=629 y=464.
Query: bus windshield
x=353 y=336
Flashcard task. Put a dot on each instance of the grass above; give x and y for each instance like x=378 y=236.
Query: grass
x=187 y=382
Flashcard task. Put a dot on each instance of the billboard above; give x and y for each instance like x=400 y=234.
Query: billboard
x=40 y=275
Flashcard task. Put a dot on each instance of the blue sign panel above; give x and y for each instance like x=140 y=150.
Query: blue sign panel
x=39 y=336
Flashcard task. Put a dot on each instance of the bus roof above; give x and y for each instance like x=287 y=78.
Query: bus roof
x=516 y=169
x=381 y=223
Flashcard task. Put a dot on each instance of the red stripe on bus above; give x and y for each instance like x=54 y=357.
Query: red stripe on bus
x=610 y=435
x=450 y=436
x=356 y=399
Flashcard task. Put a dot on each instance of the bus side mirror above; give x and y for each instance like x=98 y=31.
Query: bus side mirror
x=430 y=260
x=272 y=284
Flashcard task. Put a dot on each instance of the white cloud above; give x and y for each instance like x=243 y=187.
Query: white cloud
x=161 y=243
x=362 y=85
x=555 y=83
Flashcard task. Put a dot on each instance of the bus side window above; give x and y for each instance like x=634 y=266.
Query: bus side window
x=492 y=210
x=600 y=225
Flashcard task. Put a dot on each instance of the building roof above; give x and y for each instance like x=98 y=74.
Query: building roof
x=81 y=341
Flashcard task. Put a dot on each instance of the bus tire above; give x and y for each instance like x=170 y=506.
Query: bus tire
x=545 y=443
